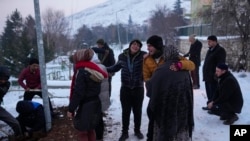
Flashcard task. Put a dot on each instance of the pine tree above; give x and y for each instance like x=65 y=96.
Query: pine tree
x=12 y=44
x=177 y=7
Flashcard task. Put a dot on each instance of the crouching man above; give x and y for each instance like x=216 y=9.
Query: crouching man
x=228 y=99
x=31 y=118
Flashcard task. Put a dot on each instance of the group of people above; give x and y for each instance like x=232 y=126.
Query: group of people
x=169 y=79
x=30 y=122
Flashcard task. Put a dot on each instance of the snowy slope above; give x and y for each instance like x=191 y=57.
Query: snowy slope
x=118 y=11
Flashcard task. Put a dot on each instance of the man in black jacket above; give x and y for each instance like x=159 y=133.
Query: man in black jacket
x=106 y=56
x=228 y=99
x=215 y=55
x=194 y=55
x=4 y=115
x=31 y=118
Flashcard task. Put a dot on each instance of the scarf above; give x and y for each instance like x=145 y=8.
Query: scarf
x=85 y=64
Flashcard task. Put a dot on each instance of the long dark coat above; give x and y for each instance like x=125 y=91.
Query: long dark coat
x=229 y=93
x=171 y=101
x=213 y=57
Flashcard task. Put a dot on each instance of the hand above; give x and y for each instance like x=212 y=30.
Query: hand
x=27 y=89
x=176 y=66
x=210 y=105
x=69 y=115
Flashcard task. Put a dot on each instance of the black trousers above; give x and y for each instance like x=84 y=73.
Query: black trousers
x=150 y=133
x=131 y=100
x=28 y=95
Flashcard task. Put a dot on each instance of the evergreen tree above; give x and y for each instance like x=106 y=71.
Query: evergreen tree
x=12 y=44
x=177 y=7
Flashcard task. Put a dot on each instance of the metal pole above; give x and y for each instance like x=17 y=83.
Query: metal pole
x=42 y=66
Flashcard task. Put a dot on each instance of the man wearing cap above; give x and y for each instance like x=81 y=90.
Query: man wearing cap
x=228 y=99
x=215 y=55
x=151 y=63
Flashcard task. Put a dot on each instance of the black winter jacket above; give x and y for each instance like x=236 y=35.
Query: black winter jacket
x=213 y=57
x=86 y=101
x=229 y=93
x=195 y=52
x=4 y=87
x=131 y=68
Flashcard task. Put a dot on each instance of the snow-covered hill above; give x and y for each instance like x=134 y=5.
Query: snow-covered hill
x=118 y=11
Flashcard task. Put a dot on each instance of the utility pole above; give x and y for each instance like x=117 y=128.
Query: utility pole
x=42 y=66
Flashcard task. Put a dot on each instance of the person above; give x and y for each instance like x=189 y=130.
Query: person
x=194 y=55
x=150 y=64
x=32 y=85
x=172 y=100
x=105 y=100
x=130 y=63
x=215 y=55
x=85 y=104
x=228 y=99
x=106 y=56
x=5 y=115
x=31 y=118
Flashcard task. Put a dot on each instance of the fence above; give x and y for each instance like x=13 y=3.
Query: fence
x=199 y=30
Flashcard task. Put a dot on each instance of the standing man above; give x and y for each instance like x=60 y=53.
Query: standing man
x=106 y=56
x=130 y=62
x=215 y=55
x=228 y=99
x=194 y=55
x=32 y=85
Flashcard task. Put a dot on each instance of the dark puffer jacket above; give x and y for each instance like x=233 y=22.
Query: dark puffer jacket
x=229 y=93
x=213 y=57
x=86 y=100
x=131 y=68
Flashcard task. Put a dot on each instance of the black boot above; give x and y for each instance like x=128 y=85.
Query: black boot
x=139 y=135
x=123 y=137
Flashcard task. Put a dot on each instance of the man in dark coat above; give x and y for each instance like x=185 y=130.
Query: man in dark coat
x=215 y=55
x=132 y=90
x=172 y=101
x=228 y=99
x=5 y=115
x=31 y=118
x=194 y=55
x=106 y=56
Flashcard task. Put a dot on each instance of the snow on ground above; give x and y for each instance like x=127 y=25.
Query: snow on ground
x=207 y=127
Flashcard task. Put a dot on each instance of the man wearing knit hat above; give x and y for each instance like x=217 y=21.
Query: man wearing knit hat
x=29 y=80
x=226 y=102
x=151 y=63
x=215 y=55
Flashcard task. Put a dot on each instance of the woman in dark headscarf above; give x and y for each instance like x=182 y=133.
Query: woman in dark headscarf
x=172 y=101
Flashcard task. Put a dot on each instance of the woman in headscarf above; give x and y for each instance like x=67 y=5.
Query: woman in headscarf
x=172 y=101
x=85 y=105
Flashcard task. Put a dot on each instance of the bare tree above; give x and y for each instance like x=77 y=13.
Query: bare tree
x=163 y=22
x=56 y=28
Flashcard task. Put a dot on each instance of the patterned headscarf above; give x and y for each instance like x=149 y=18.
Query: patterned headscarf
x=83 y=55
x=171 y=53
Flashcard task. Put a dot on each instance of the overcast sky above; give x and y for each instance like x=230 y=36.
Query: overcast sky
x=26 y=7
